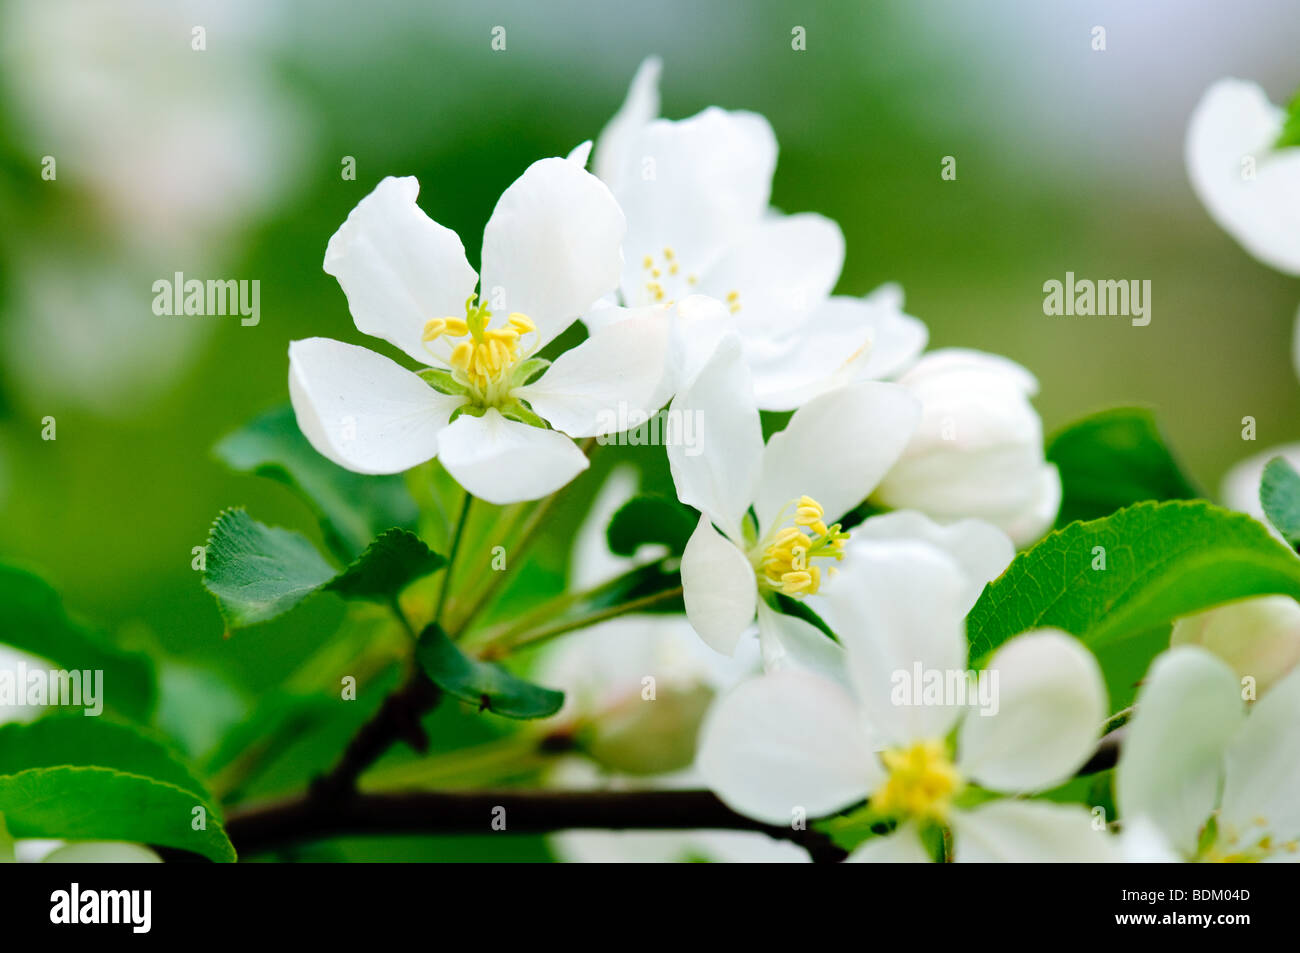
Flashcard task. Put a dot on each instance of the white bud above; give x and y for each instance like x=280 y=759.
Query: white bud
x=978 y=451
x=1258 y=637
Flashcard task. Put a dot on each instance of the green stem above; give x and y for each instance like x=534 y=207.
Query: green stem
x=497 y=649
x=451 y=558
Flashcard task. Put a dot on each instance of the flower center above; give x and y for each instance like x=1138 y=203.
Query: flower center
x=482 y=358
x=921 y=784
x=785 y=558
x=1235 y=847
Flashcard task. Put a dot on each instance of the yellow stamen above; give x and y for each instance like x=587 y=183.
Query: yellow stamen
x=785 y=557
x=921 y=784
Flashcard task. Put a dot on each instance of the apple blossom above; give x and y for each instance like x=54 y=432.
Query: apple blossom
x=550 y=249
x=824 y=463
x=1218 y=783
x=696 y=194
x=794 y=741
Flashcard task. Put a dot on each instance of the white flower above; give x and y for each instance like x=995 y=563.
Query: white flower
x=1251 y=188
x=550 y=249
x=1257 y=637
x=979 y=448
x=1193 y=756
x=696 y=195
x=793 y=741
x=822 y=465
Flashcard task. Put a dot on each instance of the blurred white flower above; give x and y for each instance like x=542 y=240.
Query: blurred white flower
x=1191 y=752
x=792 y=742
x=41 y=851
x=1250 y=187
x=177 y=145
x=10 y=661
x=550 y=249
x=696 y=194
x=826 y=461
x=1257 y=637
x=978 y=451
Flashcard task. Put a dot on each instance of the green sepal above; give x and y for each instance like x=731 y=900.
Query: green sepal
x=443 y=382
x=528 y=371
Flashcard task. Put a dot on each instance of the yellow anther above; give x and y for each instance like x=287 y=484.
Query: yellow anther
x=669 y=254
x=921 y=783
x=647 y=262
x=672 y=269
x=432 y=328
x=655 y=273
x=785 y=558
x=522 y=323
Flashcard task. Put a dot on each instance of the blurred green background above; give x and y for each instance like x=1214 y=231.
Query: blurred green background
x=226 y=163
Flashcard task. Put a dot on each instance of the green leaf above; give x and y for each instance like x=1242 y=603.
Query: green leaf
x=801 y=610
x=650 y=519
x=258 y=572
x=352 y=508
x=1162 y=561
x=32 y=619
x=1290 y=135
x=95 y=803
x=489 y=686
x=1279 y=494
x=395 y=559
x=1113 y=459
x=78 y=740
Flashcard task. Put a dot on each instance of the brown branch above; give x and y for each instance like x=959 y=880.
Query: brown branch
x=264 y=827
x=397 y=718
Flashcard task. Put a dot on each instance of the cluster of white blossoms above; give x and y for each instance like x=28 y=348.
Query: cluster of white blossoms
x=696 y=293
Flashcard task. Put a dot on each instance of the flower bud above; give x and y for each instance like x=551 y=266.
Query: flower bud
x=1257 y=637
x=978 y=451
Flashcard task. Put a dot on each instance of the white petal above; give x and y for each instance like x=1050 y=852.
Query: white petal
x=503 y=461
x=1172 y=764
x=1234 y=128
x=1030 y=832
x=903 y=846
x=398 y=267
x=840 y=340
x=552 y=246
x=899 y=606
x=835 y=449
x=717 y=476
x=779 y=272
x=783 y=743
x=899 y=338
x=606 y=381
x=789 y=642
x=641 y=106
x=718 y=587
x=580 y=153
x=694 y=187
x=1261 y=791
x=1049 y=708
x=363 y=411
x=1141 y=842
x=102 y=852
x=981 y=549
